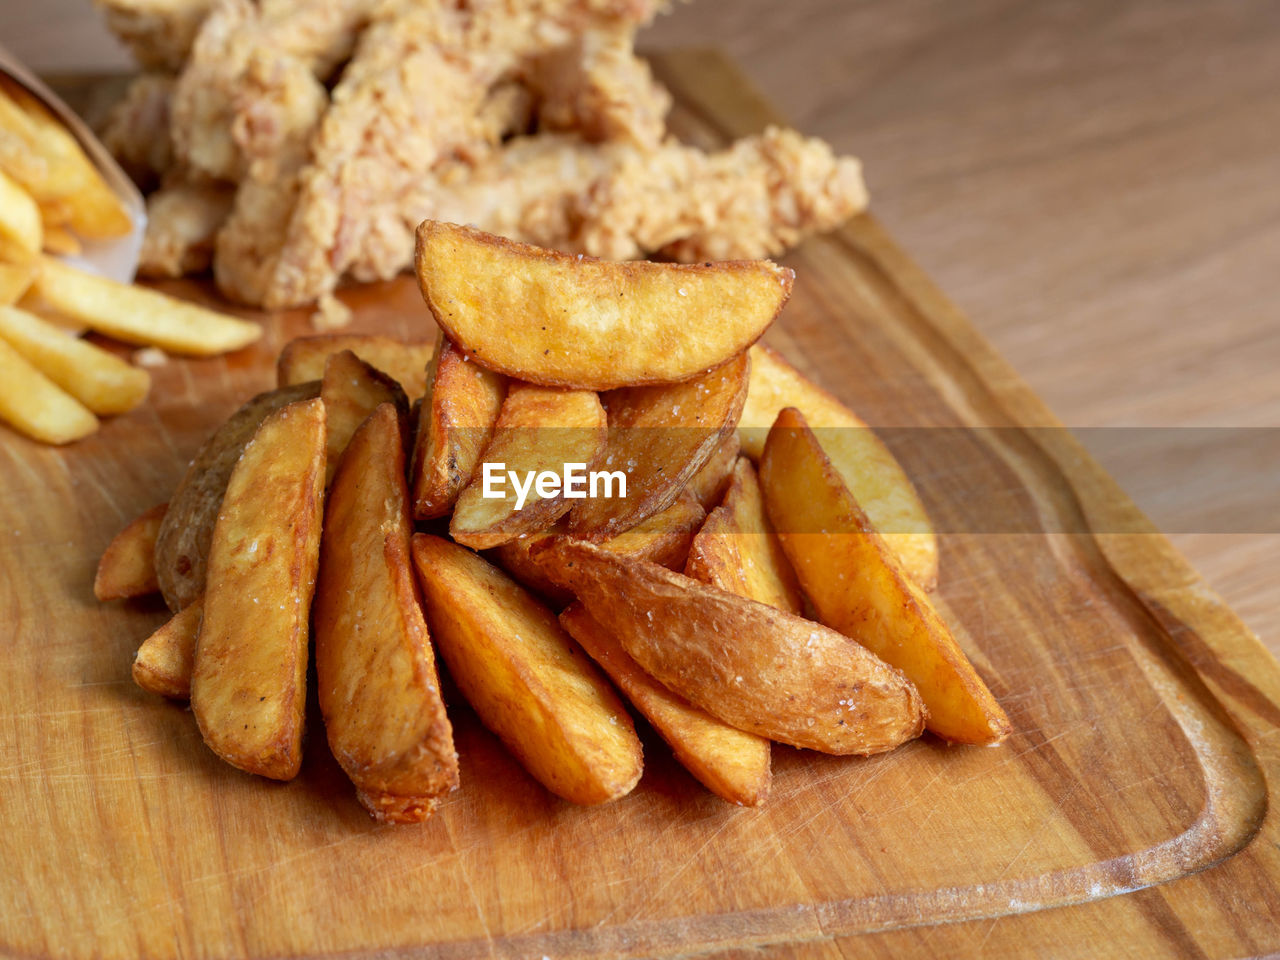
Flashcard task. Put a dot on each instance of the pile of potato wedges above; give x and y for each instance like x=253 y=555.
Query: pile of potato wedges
x=741 y=592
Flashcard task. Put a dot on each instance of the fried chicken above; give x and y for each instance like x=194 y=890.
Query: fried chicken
x=158 y=33
x=183 y=220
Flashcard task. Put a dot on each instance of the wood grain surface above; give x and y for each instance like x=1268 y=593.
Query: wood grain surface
x=1145 y=716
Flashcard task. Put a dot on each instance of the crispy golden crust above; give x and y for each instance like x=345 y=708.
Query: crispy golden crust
x=128 y=565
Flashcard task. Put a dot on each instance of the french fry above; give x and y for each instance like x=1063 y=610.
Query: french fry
x=303 y=359
x=21 y=231
x=731 y=763
x=375 y=668
x=60 y=241
x=859 y=587
x=525 y=678
x=539 y=429
x=565 y=321
x=866 y=464
x=351 y=390
x=100 y=380
x=737 y=550
x=138 y=315
x=660 y=437
x=754 y=667
x=455 y=423
x=34 y=405
x=249 y=682
x=15 y=279
x=164 y=662
x=128 y=565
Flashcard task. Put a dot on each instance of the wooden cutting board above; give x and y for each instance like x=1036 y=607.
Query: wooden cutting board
x=1146 y=715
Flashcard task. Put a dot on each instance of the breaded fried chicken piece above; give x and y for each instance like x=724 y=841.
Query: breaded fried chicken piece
x=136 y=129
x=158 y=33
x=182 y=221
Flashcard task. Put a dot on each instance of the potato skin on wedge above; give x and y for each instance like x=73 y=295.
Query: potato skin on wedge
x=859 y=587
x=375 y=668
x=525 y=678
x=128 y=565
x=731 y=763
x=867 y=466
x=754 y=667
x=632 y=323
x=661 y=437
x=249 y=684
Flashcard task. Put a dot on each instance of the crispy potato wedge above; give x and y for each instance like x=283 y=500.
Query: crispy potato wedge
x=375 y=667
x=663 y=539
x=15 y=279
x=164 y=662
x=249 y=682
x=138 y=315
x=859 y=587
x=566 y=321
x=737 y=550
x=660 y=437
x=755 y=667
x=455 y=424
x=540 y=429
x=21 y=229
x=100 y=380
x=709 y=484
x=33 y=404
x=303 y=359
x=731 y=763
x=128 y=565
x=182 y=546
x=528 y=682
x=868 y=468
x=351 y=390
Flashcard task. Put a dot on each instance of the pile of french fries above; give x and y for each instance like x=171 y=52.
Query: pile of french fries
x=739 y=593
x=54 y=385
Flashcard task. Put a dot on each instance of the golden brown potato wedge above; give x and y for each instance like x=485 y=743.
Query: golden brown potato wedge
x=455 y=424
x=566 y=321
x=737 y=550
x=660 y=437
x=249 y=683
x=755 y=667
x=351 y=390
x=34 y=405
x=164 y=662
x=128 y=565
x=182 y=546
x=859 y=587
x=528 y=682
x=731 y=763
x=540 y=431
x=861 y=458
x=303 y=359
x=709 y=484
x=100 y=380
x=375 y=668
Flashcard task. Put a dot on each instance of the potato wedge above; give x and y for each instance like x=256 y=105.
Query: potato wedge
x=455 y=423
x=859 y=587
x=21 y=230
x=303 y=359
x=164 y=662
x=138 y=315
x=351 y=390
x=663 y=539
x=737 y=550
x=757 y=668
x=539 y=430
x=100 y=380
x=566 y=321
x=128 y=565
x=15 y=279
x=868 y=468
x=709 y=484
x=660 y=437
x=731 y=763
x=528 y=682
x=375 y=667
x=249 y=682
x=182 y=546
x=33 y=404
